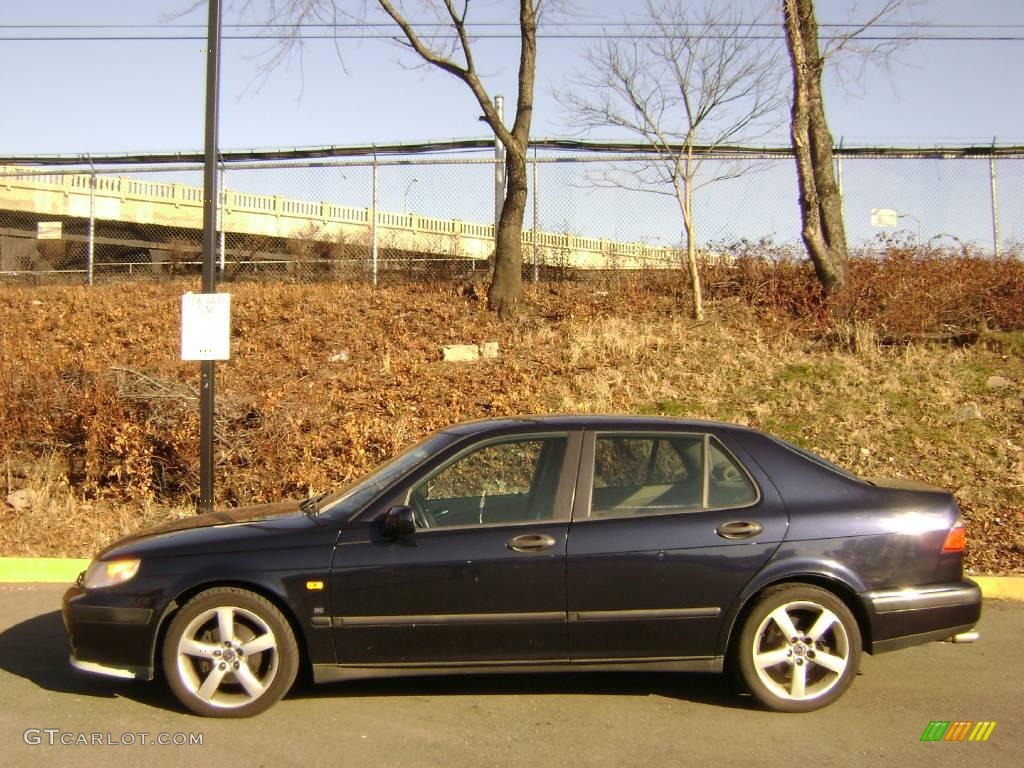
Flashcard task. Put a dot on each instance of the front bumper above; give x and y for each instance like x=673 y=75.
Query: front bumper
x=92 y=667
x=110 y=633
x=904 y=617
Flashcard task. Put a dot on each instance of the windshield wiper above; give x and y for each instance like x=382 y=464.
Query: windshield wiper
x=311 y=506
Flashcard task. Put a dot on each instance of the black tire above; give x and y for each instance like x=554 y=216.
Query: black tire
x=799 y=648
x=238 y=676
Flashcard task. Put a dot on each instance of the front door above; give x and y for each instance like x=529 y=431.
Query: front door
x=483 y=577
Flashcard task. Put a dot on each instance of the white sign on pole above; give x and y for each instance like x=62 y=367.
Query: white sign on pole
x=206 y=326
x=49 y=230
x=884 y=217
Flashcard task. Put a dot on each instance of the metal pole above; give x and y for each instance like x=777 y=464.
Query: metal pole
x=995 y=206
x=839 y=183
x=223 y=191
x=373 y=223
x=90 y=259
x=499 y=166
x=536 y=256
x=405 y=202
x=206 y=380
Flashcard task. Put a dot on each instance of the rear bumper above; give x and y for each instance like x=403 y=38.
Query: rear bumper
x=905 y=617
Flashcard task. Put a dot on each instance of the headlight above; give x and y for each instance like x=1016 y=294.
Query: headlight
x=107 y=573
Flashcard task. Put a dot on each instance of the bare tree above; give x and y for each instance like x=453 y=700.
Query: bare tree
x=447 y=45
x=821 y=207
x=686 y=83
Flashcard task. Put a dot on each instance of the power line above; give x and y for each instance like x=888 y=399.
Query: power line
x=500 y=30
x=559 y=24
x=486 y=144
x=493 y=36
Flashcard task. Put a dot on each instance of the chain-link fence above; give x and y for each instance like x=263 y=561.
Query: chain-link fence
x=430 y=216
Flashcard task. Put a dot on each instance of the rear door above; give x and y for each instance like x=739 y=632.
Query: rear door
x=667 y=529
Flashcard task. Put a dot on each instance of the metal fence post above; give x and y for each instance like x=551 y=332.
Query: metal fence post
x=499 y=168
x=373 y=223
x=223 y=191
x=839 y=183
x=995 y=206
x=536 y=256
x=90 y=258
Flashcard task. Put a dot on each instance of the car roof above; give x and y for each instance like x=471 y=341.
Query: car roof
x=526 y=423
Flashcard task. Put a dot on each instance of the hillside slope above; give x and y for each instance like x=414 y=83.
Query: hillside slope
x=99 y=417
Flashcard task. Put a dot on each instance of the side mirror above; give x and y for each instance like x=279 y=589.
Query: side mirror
x=398 y=522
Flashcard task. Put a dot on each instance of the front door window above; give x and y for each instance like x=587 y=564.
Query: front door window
x=501 y=483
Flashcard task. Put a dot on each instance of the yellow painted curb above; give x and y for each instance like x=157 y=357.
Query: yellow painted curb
x=54 y=570
x=1001 y=587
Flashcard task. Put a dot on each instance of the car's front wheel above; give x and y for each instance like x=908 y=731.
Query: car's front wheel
x=229 y=652
x=799 y=648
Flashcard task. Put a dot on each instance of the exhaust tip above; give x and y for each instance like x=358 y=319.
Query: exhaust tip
x=964 y=637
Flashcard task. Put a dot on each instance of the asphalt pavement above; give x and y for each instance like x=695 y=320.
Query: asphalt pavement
x=52 y=714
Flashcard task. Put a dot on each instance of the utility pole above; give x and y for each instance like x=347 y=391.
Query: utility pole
x=206 y=379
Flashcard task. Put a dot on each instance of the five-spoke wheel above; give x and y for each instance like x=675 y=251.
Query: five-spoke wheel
x=229 y=653
x=799 y=648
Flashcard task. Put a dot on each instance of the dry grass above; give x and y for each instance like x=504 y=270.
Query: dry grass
x=96 y=405
x=60 y=523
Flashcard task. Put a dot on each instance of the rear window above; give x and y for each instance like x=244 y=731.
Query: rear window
x=665 y=474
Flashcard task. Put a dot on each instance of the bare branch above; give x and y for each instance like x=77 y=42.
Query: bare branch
x=453 y=56
x=679 y=88
x=849 y=55
x=467 y=73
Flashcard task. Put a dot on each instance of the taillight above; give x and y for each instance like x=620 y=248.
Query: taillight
x=956 y=539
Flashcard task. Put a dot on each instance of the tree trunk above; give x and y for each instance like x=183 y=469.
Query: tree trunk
x=507 y=284
x=691 y=250
x=821 y=206
x=682 y=180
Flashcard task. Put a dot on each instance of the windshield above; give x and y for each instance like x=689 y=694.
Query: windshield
x=357 y=493
x=815 y=458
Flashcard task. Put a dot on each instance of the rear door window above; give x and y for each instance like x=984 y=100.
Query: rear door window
x=647 y=475
x=636 y=475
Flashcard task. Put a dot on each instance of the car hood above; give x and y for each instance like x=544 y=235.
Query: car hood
x=227 y=517
x=192 y=527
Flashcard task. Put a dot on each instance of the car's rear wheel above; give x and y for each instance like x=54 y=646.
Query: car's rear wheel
x=799 y=648
x=229 y=652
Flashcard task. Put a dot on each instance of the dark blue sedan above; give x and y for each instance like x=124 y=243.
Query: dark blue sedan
x=540 y=544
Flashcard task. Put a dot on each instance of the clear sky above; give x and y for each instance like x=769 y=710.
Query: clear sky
x=94 y=96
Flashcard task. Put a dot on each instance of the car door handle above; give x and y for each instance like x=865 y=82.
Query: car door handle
x=530 y=542
x=739 y=529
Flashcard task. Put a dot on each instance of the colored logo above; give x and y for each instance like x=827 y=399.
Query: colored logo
x=958 y=730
